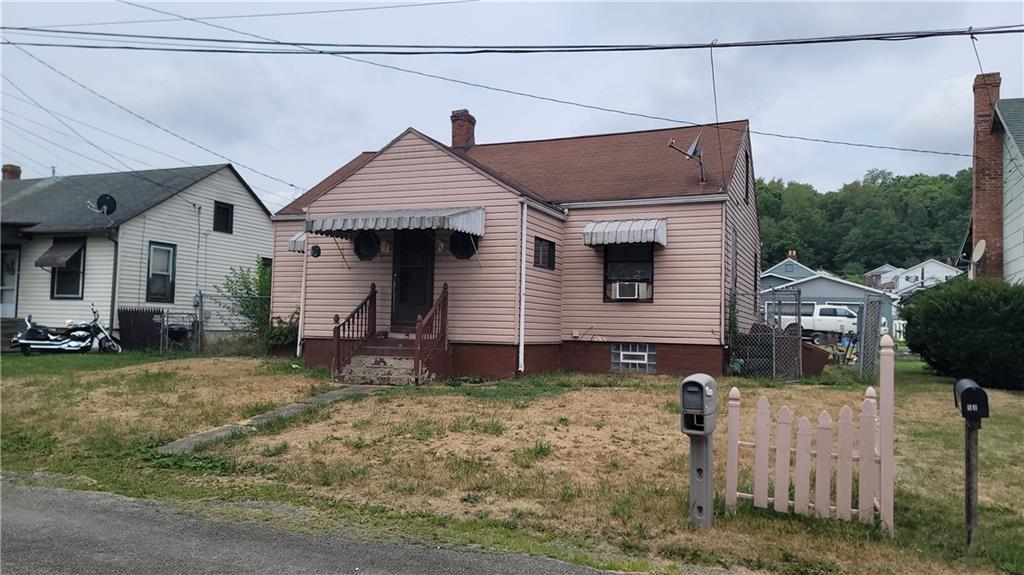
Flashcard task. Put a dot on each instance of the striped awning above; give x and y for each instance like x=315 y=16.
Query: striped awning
x=297 y=243
x=625 y=232
x=468 y=220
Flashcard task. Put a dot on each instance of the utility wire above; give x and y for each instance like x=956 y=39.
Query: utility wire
x=23 y=158
x=55 y=144
x=65 y=134
x=264 y=15
x=154 y=124
x=140 y=42
x=555 y=100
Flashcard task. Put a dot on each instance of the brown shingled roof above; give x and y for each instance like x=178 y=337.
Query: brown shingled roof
x=631 y=165
x=296 y=205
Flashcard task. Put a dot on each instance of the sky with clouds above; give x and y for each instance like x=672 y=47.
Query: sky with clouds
x=298 y=118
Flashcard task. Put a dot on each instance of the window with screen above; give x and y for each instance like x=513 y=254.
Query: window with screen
x=68 y=282
x=160 y=281
x=544 y=253
x=629 y=272
x=223 y=217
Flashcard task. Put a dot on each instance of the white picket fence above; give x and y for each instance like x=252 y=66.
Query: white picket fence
x=872 y=456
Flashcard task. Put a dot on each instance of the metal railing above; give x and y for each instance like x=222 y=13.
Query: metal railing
x=431 y=332
x=354 y=330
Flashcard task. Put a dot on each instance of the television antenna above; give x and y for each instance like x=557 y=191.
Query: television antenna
x=693 y=152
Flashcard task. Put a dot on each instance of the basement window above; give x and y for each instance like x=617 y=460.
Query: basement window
x=634 y=358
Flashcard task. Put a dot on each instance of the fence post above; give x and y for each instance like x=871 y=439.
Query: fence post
x=762 y=438
x=866 y=452
x=823 y=465
x=803 y=466
x=886 y=407
x=732 y=451
x=783 y=441
x=844 y=479
x=336 y=362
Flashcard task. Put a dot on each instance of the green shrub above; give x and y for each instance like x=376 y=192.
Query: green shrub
x=970 y=329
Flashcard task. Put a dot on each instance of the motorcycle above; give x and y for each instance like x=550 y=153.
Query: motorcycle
x=77 y=337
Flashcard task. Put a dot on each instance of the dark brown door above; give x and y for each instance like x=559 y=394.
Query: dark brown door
x=413 y=276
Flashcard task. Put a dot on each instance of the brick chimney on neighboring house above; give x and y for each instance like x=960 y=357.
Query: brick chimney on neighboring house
x=12 y=172
x=463 y=130
x=791 y=254
x=987 y=196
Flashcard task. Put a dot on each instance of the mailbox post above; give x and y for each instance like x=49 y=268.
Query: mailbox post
x=972 y=401
x=698 y=400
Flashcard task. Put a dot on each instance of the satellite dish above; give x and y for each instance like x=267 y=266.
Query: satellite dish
x=979 y=250
x=314 y=251
x=106 y=204
x=694 y=150
x=462 y=245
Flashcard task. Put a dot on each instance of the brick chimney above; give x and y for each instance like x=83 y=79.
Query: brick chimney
x=463 y=129
x=791 y=254
x=12 y=172
x=987 y=196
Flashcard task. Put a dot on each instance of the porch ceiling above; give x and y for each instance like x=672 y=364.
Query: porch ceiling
x=468 y=220
x=625 y=232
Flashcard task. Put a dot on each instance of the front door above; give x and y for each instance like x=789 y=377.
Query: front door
x=412 y=276
x=9 y=283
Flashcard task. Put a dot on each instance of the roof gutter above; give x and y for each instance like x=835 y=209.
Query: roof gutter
x=288 y=217
x=708 y=198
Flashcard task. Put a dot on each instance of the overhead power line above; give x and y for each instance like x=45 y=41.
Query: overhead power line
x=552 y=99
x=264 y=14
x=154 y=124
x=23 y=158
x=141 y=42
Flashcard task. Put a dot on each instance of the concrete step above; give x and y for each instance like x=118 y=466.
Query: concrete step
x=379 y=370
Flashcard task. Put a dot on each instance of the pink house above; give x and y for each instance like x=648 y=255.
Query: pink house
x=610 y=252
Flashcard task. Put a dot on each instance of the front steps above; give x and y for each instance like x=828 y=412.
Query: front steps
x=384 y=360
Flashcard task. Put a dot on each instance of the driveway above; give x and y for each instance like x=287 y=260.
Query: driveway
x=48 y=530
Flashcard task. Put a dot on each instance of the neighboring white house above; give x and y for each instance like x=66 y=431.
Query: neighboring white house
x=924 y=275
x=883 y=277
x=174 y=233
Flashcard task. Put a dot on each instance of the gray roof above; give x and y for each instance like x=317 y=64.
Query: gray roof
x=58 y=204
x=1011 y=113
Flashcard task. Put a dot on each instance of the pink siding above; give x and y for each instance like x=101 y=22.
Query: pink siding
x=543 y=286
x=687 y=305
x=741 y=223
x=286 y=286
x=412 y=172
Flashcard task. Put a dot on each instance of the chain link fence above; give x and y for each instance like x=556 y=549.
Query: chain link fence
x=869 y=329
x=771 y=345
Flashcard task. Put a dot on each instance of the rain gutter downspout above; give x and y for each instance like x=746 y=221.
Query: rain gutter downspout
x=302 y=290
x=522 y=292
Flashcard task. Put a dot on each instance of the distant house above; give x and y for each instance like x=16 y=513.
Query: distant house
x=174 y=232
x=997 y=211
x=924 y=275
x=784 y=272
x=596 y=253
x=883 y=277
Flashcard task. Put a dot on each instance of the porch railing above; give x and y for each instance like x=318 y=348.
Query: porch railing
x=431 y=332
x=354 y=330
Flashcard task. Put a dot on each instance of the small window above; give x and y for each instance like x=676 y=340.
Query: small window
x=223 y=217
x=544 y=253
x=788 y=267
x=828 y=312
x=68 y=282
x=634 y=357
x=160 y=282
x=629 y=272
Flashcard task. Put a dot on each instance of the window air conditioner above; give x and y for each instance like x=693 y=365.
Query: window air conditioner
x=626 y=290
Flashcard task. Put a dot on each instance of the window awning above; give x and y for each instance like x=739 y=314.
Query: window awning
x=297 y=243
x=468 y=220
x=59 y=253
x=626 y=232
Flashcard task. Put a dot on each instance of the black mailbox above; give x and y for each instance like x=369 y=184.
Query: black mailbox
x=970 y=399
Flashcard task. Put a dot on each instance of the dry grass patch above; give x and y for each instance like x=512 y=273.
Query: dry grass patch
x=596 y=464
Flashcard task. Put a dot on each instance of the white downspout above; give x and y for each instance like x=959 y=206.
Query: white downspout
x=522 y=294
x=302 y=290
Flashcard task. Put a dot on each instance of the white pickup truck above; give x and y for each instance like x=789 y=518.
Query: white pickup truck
x=823 y=320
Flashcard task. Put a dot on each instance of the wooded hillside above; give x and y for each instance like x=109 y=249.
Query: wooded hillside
x=878 y=219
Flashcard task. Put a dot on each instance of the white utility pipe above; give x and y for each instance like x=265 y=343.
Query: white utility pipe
x=302 y=291
x=522 y=294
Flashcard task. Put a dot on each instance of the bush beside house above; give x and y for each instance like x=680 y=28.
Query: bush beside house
x=971 y=329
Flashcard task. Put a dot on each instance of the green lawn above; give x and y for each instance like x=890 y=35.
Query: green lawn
x=589 y=469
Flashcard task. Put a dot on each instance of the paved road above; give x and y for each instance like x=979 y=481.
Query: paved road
x=48 y=531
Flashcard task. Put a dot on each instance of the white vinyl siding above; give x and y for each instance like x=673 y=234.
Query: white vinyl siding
x=1013 y=212
x=34 y=283
x=203 y=257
